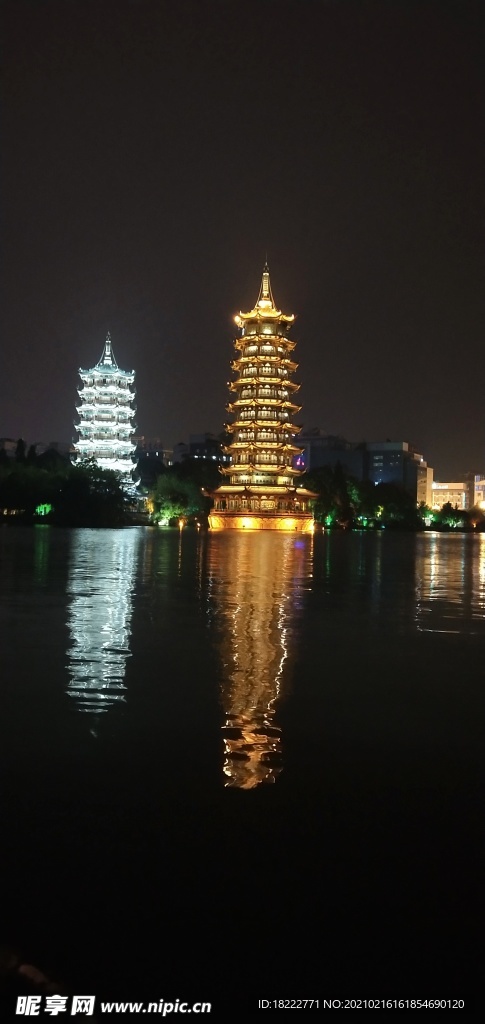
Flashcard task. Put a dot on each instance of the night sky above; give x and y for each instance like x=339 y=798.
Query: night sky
x=154 y=152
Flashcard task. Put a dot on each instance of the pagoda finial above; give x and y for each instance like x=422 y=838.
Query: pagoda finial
x=108 y=359
x=265 y=298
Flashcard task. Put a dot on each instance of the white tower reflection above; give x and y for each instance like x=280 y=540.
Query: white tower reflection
x=100 y=582
x=257 y=582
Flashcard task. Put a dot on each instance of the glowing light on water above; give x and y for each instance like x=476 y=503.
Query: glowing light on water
x=101 y=576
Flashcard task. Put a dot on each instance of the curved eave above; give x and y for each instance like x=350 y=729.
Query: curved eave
x=258 y=489
x=254 y=363
x=107 y=369
x=259 y=468
x=292 y=428
x=273 y=403
x=261 y=314
x=262 y=446
x=262 y=382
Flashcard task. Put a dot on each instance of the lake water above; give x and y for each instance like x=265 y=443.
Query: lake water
x=243 y=763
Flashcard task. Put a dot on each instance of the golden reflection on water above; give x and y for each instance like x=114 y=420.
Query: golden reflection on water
x=256 y=584
x=450 y=583
x=101 y=576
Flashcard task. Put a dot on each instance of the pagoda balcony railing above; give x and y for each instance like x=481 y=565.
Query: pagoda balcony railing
x=106 y=406
x=121 y=380
x=251 y=439
x=95 y=389
x=107 y=439
x=110 y=400
x=94 y=420
x=275 y=415
x=95 y=416
x=114 y=431
x=263 y=394
x=112 y=455
x=108 y=420
x=105 y=444
x=251 y=347
x=106 y=453
x=274 y=419
x=243 y=459
x=261 y=465
x=106 y=426
x=114 y=389
x=229 y=507
x=257 y=371
x=98 y=403
x=112 y=403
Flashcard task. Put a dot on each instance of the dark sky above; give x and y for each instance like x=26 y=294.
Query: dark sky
x=155 y=151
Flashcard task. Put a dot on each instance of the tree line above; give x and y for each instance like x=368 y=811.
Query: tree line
x=346 y=503
x=49 y=486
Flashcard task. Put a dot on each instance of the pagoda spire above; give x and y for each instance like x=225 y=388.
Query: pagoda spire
x=265 y=297
x=108 y=359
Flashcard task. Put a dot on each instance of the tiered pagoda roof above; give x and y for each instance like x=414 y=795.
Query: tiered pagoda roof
x=261 y=475
x=106 y=412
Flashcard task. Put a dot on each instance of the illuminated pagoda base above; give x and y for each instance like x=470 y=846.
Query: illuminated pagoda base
x=301 y=522
x=106 y=414
x=262 y=492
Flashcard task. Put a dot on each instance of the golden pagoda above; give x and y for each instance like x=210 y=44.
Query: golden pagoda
x=261 y=492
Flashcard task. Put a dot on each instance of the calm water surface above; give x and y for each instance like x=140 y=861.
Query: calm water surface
x=251 y=761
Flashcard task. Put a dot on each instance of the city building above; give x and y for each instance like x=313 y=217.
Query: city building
x=105 y=416
x=455 y=494
x=261 y=492
x=398 y=462
x=390 y=462
x=201 y=446
x=479 y=491
x=321 y=449
x=152 y=448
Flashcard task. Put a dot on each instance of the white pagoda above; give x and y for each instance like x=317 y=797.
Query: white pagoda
x=106 y=412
